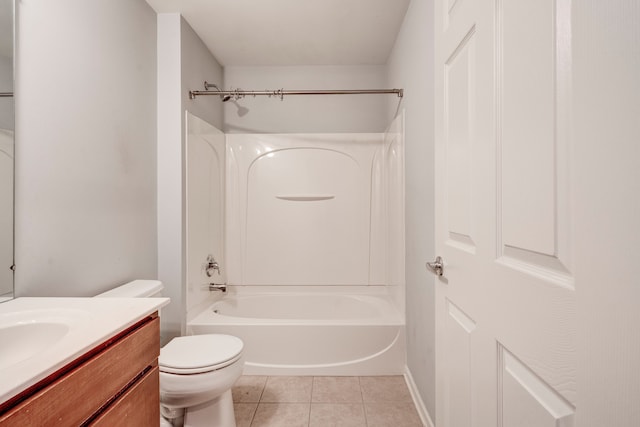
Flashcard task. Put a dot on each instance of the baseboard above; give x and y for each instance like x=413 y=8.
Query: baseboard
x=417 y=400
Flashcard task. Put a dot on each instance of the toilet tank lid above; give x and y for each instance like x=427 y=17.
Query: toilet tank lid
x=135 y=289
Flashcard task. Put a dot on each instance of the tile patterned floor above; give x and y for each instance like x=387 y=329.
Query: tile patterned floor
x=261 y=401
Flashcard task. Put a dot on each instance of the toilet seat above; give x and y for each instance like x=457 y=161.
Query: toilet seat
x=196 y=354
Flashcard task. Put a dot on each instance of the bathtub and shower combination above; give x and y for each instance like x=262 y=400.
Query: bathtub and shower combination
x=314 y=252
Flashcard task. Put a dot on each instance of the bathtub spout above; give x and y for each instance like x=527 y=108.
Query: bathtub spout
x=218 y=287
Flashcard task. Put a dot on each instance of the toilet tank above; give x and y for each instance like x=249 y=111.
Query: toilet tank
x=135 y=289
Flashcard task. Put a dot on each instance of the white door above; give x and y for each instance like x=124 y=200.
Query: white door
x=521 y=339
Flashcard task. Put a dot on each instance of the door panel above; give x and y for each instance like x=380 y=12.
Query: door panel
x=526 y=91
x=532 y=69
x=527 y=401
x=459 y=328
x=459 y=104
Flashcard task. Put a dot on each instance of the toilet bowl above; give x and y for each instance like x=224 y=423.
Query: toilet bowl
x=196 y=376
x=196 y=372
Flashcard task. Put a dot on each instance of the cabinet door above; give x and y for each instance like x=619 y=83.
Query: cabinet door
x=139 y=406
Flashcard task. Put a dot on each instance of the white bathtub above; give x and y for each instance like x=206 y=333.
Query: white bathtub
x=310 y=333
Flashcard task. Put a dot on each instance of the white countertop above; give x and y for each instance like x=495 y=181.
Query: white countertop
x=90 y=321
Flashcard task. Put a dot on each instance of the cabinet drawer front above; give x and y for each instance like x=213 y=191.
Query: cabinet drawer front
x=77 y=395
x=139 y=406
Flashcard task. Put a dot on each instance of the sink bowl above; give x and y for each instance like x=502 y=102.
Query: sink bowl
x=32 y=332
x=28 y=339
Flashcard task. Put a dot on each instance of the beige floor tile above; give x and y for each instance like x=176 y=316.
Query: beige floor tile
x=394 y=414
x=244 y=413
x=248 y=388
x=385 y=389
x=337 y=415
x=336 y=390
x=287 y=390
x=282 y=415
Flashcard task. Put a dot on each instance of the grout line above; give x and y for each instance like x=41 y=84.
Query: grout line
x=313 y=381
x=264 y=387
x=364 y=408
x=253 y=416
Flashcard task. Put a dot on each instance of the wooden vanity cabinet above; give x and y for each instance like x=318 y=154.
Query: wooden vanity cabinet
x=114 y=384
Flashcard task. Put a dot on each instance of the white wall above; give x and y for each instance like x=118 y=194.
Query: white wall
x=307 y=114
x=411 y=67
x=183 y=63
x=6 y=85
x=198 y=65
x=169 y=177
x=86 y=145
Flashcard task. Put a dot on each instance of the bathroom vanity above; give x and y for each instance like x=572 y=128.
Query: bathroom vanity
x=100 y=369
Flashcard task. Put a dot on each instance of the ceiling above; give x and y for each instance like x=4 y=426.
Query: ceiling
x=293 y=32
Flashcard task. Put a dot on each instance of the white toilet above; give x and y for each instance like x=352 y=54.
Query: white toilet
x=196 y=372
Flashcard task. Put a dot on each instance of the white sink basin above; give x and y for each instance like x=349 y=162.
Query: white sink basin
x=28 y=340
x=32 y=332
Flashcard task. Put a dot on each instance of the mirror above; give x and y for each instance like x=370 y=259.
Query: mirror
x=6 y=148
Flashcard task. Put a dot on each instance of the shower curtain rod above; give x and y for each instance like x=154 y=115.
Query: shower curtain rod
x=6 y=94
x=280 y=93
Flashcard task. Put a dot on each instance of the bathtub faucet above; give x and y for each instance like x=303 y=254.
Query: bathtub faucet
x=218 y=287
x=211 y=266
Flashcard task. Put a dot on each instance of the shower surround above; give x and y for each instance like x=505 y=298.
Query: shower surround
x=314 y=253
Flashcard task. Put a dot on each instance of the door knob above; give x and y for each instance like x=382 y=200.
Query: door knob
x=437 y=267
